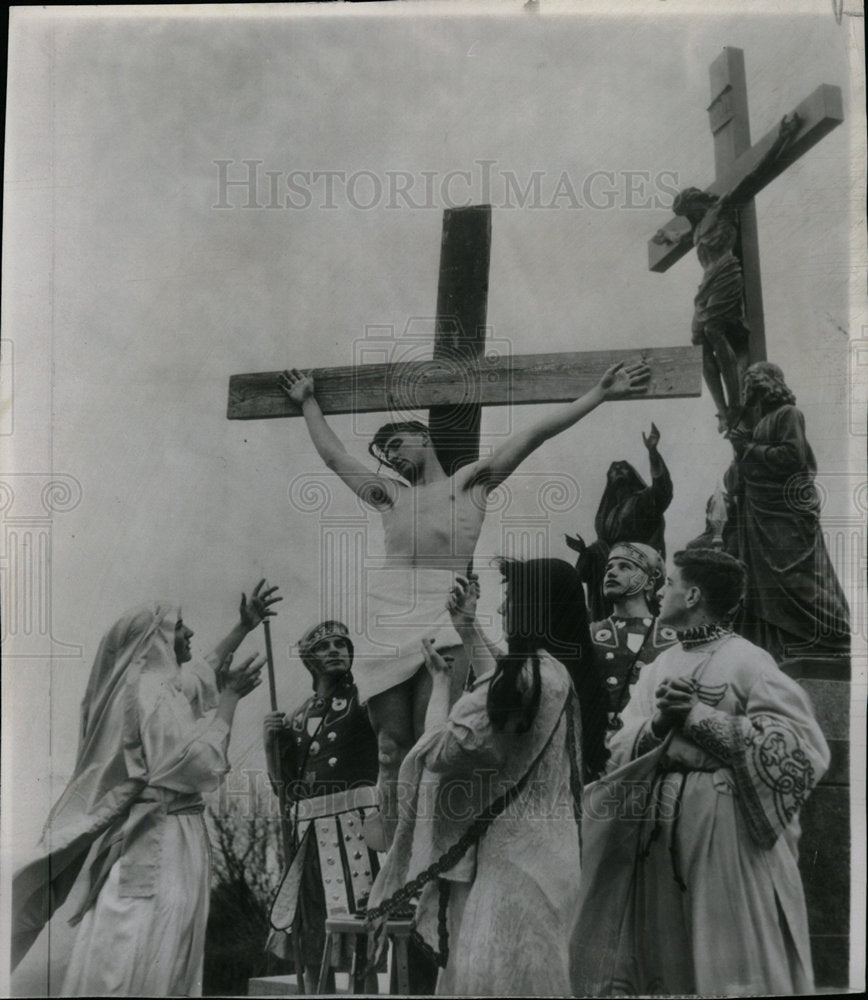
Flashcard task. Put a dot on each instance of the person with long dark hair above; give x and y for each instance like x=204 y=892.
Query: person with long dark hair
x=488 y=834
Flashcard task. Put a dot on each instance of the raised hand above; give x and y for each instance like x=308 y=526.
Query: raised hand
x=577 y=544
x=652 y=439
x=438 y=667
x=245 y=677
x=297 y=386
x=258 y=608
x=461 y=603
x=624 y=379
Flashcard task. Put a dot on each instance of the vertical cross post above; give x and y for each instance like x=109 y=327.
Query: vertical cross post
x=730 y=126
x=462 y=300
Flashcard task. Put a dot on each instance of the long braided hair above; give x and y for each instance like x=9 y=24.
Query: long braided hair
x=545 y=609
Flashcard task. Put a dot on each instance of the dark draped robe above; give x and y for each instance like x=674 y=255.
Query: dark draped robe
x=630 y=511
x=794 y=603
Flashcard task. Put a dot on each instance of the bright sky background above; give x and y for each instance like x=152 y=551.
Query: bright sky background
x=129 y=298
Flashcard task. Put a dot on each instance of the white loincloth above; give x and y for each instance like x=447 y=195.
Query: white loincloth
x=402 y=605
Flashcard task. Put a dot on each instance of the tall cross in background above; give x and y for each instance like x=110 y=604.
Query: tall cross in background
x=739 y=169
x=460 y=379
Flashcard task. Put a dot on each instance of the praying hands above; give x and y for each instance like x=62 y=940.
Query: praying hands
x=675 y=697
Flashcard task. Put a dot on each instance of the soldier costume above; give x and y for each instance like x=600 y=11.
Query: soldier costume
x=326 y=761
x=623 y=645
x=616 y=644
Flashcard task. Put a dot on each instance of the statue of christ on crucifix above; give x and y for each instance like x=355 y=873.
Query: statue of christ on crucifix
x=718 y=314
x=431 y=527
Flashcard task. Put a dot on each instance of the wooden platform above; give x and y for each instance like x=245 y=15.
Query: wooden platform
x=285 y=986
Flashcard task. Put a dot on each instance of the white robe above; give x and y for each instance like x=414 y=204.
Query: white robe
x=725 y=822
x=145 y=934
x=512 y=896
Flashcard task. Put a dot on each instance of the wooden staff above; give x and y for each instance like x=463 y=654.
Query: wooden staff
x=285 y=822
x=269 y=655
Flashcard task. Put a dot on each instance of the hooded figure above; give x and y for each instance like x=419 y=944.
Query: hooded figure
x=630 y=511
x=128 y=836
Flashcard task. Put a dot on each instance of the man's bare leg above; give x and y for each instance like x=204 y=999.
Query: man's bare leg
x=727 y=366
x=398 y=719
x=391 y=714
x=711 y=374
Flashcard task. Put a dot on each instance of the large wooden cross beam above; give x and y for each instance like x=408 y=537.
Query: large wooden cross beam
x=460 y=379
x=735 y=164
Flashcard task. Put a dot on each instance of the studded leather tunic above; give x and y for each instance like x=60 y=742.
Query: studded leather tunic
x=616 y=643
x=327 y=746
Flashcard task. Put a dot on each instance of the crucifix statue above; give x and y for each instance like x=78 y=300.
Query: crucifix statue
x=432 y=520
x=721 y=223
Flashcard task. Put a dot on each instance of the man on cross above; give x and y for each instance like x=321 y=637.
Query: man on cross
x=718 y=309
x=431 y=527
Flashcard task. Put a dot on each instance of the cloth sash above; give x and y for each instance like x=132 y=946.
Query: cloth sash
x=333 y=826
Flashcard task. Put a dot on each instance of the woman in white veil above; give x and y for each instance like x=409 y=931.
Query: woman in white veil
x=127 y=838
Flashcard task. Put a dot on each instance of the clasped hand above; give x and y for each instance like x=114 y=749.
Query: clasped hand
x=675 y=697
x=272 y=724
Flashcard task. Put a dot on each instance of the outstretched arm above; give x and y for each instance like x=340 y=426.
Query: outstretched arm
x=250 y=614
x=661 y=482
x=461 y=605
x=507 y=457
x=369 y=487
x=745 y=189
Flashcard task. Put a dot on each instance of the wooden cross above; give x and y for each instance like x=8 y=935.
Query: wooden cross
x=734 y=161
x=460 y=378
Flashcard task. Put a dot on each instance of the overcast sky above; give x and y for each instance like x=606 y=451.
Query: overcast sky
x=136 y=282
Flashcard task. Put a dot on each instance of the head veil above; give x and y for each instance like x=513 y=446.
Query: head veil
x=110 y=769
x=614 y=494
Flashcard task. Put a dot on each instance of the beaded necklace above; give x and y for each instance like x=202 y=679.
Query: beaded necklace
x=698 y=635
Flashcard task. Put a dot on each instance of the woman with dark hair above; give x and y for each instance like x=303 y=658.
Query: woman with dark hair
x=488 y=834
x=546 y=609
